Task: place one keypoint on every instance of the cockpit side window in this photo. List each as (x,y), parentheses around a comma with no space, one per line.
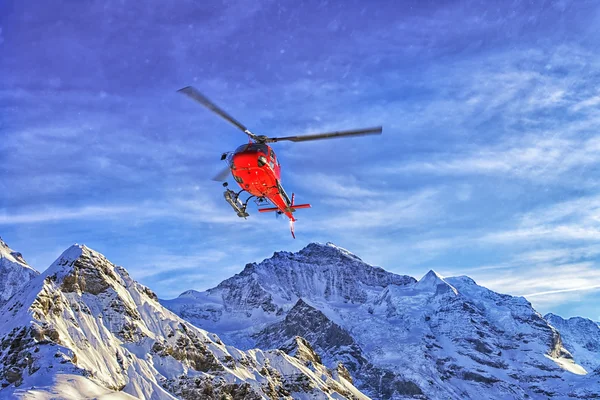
(274,160)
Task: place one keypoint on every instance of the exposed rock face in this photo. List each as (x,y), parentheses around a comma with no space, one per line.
(14,272)
(395,336)
(581,337)
(300,348)
(325,336)
(337,345)
(86,318)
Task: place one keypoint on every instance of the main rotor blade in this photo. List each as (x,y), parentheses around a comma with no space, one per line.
(222,175)
(194,94)
(356,132)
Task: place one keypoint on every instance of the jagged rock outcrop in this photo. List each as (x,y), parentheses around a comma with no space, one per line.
(86,321)
(309,326)
(397,337)
(324,335)
(581,337)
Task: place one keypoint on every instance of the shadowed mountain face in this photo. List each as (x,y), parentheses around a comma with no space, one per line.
(14,272)
(85,329)
(398,337)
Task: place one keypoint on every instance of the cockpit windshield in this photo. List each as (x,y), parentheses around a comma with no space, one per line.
(253,148)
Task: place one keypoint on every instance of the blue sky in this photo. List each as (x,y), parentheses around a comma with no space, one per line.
(488,165)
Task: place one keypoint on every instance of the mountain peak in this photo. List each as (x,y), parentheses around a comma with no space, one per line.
(432,274)
(74,253)
(12,256)
(434,280)
(81,269)
(431,278)
(551,316)
(3,246)
(327,249)
(14,272)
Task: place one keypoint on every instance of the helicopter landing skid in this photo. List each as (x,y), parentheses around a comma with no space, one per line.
(236,203)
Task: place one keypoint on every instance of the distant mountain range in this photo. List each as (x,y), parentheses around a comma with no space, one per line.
(438,338)
(317,324)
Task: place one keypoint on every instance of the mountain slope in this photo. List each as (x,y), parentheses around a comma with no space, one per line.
(581,336)
(263,293)
(14,272)
(85,323)
(436,337)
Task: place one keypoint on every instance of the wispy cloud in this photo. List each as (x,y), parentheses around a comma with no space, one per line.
(403,211)
(533,158)
(195,208)
(543,280)
(589,102)
(62,214)
(571,220)
(336,186)
(575,289)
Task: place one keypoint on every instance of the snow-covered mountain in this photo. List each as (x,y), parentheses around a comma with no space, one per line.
(14,272)
(581,336)
(439,338)
(85,329)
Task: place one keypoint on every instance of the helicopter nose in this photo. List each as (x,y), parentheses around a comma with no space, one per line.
(245,160)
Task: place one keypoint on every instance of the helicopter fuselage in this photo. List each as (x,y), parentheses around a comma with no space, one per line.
(256,170)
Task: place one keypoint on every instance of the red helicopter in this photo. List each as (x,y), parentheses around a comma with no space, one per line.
(256,169)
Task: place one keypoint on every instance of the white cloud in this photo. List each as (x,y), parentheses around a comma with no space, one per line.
(558,255)
(192,208)
(401,211)
(164,262)
(336,186)
(61,214)
(590,102)
(575,289)
(533,158)
(542,279)
(570,221)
